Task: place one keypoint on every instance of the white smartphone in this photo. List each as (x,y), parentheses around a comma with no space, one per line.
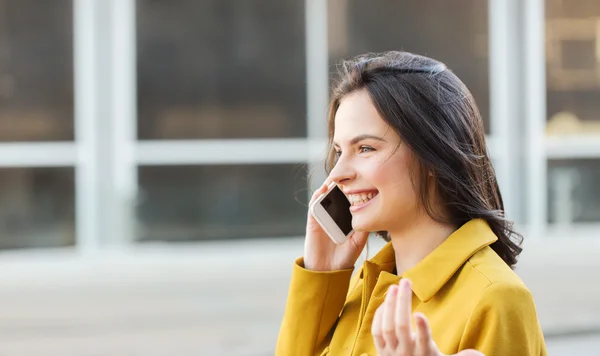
(332,212)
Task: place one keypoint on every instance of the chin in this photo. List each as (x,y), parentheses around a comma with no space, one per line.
(363,226)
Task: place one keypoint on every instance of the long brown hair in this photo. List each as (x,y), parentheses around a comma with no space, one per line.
(434,113)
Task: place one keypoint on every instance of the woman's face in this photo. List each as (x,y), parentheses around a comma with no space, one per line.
(373,167)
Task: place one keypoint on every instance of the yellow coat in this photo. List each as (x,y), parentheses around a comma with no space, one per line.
(471,298)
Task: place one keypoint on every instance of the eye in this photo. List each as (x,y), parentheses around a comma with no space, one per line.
(365,149)
(337,153)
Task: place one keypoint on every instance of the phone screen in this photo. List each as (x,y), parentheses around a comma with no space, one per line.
(338,207)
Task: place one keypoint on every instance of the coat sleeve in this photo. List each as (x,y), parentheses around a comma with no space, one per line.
(315,301)
(504,323)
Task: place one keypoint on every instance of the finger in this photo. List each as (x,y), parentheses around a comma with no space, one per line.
(424,342)
(328,181)
(470,353)
(376,330)
(388,323)
(402,318)
(322,189)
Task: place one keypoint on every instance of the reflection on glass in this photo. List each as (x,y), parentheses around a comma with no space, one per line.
(36,70)
(455,32)
(37,207)
(573,191)
(573,66)
(180,203)
(221,69)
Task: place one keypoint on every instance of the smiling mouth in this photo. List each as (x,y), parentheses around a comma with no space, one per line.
(360,199)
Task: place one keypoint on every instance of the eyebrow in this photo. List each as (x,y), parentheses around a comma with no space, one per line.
(359,138)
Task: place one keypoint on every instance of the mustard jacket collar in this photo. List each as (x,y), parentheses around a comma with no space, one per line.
(432,273)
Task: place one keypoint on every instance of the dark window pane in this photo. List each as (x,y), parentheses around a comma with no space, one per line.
(573,191)
(222,202)
(573,67)
(454,32)
(586,54)
(36,70)
(37,207)
(221,69)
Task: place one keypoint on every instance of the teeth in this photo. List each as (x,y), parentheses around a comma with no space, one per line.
(357,199)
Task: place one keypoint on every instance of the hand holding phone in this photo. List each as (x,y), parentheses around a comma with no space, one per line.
(330,243)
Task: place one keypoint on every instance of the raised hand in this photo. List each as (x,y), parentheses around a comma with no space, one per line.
(392,329)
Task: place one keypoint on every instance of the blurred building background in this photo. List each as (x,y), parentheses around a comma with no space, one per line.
(156,155)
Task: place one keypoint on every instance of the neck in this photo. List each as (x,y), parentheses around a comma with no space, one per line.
(417,239)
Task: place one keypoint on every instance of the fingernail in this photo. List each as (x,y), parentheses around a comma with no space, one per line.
(419,319)
(405,284)
(418,322)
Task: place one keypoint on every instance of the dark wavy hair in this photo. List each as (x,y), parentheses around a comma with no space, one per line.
(434,113)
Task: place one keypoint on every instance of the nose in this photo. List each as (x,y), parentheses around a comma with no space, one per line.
(342,172)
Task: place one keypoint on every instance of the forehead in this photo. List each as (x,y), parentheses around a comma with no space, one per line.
(357,115)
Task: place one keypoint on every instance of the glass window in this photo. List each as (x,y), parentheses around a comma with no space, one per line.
(573,89)
(222,202)
(573,191)
(37,207)
(573,67)
(221,69)
(455,32)
(36,70)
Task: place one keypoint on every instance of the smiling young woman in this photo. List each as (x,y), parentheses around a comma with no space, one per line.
(408,150)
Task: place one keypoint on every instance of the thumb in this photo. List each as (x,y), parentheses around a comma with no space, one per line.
(359,239)
(469,353)
(360,236)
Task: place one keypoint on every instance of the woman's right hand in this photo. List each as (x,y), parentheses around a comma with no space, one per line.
(322,254)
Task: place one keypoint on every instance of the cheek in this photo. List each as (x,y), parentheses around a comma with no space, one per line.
(396,186)
(388,175)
